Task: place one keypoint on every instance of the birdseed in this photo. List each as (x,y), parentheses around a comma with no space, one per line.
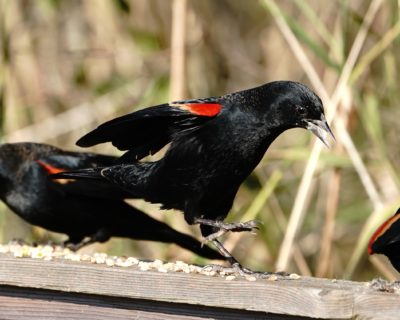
(52,252)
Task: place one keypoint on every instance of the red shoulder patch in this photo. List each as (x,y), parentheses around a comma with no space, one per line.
(382,229)
(50,169)
(200,109)
(53,170)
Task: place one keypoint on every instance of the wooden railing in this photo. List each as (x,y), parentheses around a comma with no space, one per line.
(102,288)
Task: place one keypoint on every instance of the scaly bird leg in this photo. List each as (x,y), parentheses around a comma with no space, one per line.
(226,227)
(236,266)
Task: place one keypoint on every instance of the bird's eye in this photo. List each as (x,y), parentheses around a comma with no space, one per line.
(301,110)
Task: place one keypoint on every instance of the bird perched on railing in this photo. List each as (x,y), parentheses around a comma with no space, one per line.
(215,143)
(386,240)
(87,212)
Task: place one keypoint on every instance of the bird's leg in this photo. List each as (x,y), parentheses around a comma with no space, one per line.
(73,246)
(236,266)
(101,235)
(226,227)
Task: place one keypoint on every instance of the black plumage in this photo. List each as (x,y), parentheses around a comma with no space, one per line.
(86,211)
(215,143)
(386,240)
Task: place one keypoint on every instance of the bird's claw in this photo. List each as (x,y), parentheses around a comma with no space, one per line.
(226,227)
(242,226)
(72,246)
(77,246)
(237,269)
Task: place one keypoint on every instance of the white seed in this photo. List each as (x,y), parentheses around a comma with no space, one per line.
(250,278)
(273,277)
(110,262)
(144,267)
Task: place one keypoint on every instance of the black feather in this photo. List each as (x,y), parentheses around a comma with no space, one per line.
(80,208)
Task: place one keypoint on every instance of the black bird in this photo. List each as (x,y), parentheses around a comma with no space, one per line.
(386,240)
(215,143)
(87,212)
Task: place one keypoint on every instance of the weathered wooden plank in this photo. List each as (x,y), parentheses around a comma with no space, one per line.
(308,297)
(27,303)
(176,287)
(380,305)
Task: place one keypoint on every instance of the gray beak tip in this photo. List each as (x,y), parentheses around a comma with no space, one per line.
(321,129)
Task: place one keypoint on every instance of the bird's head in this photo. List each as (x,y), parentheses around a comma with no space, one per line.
(15,162)
(294,105)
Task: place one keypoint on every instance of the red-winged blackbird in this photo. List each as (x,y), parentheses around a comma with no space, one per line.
(78,208)
(386,240)
(215,143)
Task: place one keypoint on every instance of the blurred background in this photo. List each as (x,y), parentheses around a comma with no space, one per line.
(67,66)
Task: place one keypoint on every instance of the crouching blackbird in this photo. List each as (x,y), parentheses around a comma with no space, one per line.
(87,212)
(215,143)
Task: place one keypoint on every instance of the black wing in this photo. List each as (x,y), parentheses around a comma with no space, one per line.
(146,131)
(71,161)
(387,234)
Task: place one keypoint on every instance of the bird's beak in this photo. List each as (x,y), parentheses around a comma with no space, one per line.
(321,129)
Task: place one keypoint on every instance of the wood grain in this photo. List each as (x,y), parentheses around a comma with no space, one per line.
(23,303)
(307,297)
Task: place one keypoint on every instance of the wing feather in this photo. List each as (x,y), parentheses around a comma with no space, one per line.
(146,131)
(69,161)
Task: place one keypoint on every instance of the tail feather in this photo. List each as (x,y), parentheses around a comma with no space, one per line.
(202,250)
(191,244)
(129,222)
(90,173)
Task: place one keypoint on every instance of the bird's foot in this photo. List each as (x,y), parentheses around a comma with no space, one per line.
(76,246)
(237,269)
(226,227)
(72,246)
(234,269)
